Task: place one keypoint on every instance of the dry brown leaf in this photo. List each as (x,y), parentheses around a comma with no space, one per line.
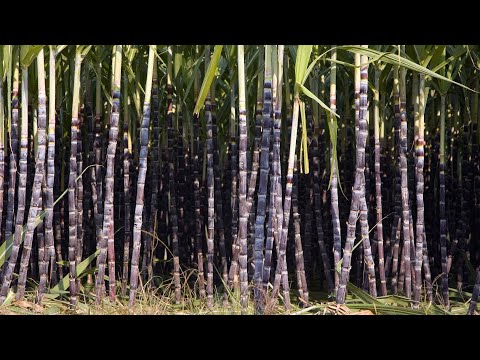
(23,304)
(362,312)
(7,312)
(28,305)
(339,309)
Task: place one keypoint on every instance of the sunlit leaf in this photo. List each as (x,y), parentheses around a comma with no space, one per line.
(207,81)
(28,53)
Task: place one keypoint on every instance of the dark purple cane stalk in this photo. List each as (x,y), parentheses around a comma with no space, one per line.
(299,261)
(378,186)
(211,202)
(281,270)
(13,152)
(219,215)
(22,184)
(244,202)
(3,131)
(35,203)
(173,218)
(404,183)
(147,261)
(72,206)
(50,180)
(127,160)
(420,156)
(197,203)
(97,171)
(272,228)
(142,172)
(107,242)
(318,214)
(337,235)
(358,192)
(443,220)
(260,264)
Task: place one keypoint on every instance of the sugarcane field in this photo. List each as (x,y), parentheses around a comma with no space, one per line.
(239,179)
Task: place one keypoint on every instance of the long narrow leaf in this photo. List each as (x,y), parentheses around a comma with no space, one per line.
(365,297)
(313,97)
(64,284)
(6,247)
(399,60)
(30,54)
(301,64)
(306,167)
(207,81)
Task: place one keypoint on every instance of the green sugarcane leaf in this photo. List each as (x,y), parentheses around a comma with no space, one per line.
(6,247)
(452,72)
(301,64)
(301,157)
(159,58)
(313,97)
(84,49)
(431,53)
(308,309)
(394,300)
(90,271)
(293,51)
(312,64)
(338,266)
(333,131)
(177,63)
(106,94)
(419,52)
(2,61)
(6,59)
(365,297)
(196,66)
(207,81)
(458,51)
(434,309)
(130,52)
(64,283)
(127,65)
(459,293)
(253,60)
(346,63)
(28,53)
(396,59)
(59,49)
(10,297)
(306,167)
